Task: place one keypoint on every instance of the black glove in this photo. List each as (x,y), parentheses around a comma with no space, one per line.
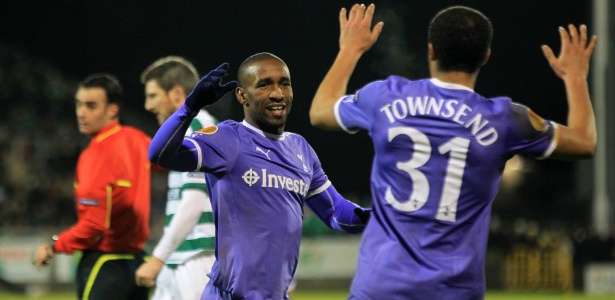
(209,90)
(363,214)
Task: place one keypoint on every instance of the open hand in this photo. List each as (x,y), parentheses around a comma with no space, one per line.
(356,29)
(575,53)
(209,90)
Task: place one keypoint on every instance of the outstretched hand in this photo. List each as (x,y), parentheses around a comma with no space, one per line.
(209,89)
(575,53)
(356,29)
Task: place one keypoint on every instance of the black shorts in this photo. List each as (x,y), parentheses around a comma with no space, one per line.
(104,276)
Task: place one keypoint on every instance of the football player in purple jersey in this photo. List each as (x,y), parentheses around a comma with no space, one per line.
(259,178)
(440,149)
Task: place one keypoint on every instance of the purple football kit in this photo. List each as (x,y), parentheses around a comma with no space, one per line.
(258,184)
(440,150)
(276,172)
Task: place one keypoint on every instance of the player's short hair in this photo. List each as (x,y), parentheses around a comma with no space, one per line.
(170,71)
(109,83)
(461,37)
(258,57)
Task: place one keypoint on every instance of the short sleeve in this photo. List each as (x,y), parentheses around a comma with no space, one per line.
(217,148)
(355,112)
(319,181)
(534,136)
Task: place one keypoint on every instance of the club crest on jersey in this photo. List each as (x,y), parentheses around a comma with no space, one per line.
(208,130)
(267,179)
(301,159)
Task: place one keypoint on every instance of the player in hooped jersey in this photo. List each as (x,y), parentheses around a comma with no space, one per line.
(440,149)
(259,178)
(184,255)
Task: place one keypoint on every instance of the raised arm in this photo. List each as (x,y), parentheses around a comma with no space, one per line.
(169,149)
(338,213)
(356,37)
(578,139)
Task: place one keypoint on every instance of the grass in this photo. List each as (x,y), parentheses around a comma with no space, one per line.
(337,295)
(544,296)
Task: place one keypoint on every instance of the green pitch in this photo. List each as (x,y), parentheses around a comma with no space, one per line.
(340,295)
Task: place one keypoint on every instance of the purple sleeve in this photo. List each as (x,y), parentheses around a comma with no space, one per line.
(335,211)
(319,178)
(534,136)
(354,112)
(168,148)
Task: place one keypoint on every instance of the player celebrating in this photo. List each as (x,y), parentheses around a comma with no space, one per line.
(259,179)
(440,149)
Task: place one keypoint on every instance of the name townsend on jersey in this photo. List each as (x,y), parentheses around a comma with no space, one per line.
(450,109)
(275,181)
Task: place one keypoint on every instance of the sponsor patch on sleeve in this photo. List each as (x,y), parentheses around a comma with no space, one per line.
(537,122)
(88,202)
(196,174)
(352,98)
(208,130)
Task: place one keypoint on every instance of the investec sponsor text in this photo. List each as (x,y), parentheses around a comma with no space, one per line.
(271,180)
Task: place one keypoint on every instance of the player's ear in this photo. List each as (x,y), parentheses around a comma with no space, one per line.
(487,55)
(177,95)
(114,110)
(241,96)
(431,52)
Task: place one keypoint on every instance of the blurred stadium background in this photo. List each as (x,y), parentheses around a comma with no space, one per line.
(552,231)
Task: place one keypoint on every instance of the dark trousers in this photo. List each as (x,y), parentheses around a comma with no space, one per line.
(104,276)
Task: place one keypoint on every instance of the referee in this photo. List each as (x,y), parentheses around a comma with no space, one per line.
(112,198)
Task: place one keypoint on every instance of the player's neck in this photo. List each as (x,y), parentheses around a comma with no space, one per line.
(456,77)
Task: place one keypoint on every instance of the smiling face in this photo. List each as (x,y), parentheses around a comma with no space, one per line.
(266,95)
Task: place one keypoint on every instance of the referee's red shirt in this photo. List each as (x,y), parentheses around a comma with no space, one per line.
(112,194)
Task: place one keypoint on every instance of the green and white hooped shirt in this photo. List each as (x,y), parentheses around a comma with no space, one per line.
(202,236)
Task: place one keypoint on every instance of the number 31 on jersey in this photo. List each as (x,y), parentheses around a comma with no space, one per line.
(457,148)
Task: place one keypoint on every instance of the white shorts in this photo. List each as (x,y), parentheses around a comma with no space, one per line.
(186,281)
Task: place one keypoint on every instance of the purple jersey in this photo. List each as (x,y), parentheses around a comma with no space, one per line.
(440,150)
(257,183)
